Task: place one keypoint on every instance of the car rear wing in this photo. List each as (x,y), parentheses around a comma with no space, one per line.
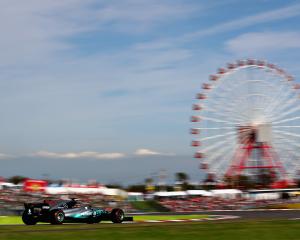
(36,205)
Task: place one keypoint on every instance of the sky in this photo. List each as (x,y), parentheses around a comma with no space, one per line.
(102,89)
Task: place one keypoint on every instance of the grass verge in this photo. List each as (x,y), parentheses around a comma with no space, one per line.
(242,230)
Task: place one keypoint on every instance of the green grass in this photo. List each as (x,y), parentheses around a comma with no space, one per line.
(242,230)
(18,220)
(10,220)
(149,206)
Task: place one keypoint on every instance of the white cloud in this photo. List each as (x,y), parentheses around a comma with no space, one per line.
(74,155)
(264,17)
(262,42)
(252,20)
(95,155)
(145,152)
(4,156)
(148,152)
(40,31)
(33,31)
(37,32)
(140,15)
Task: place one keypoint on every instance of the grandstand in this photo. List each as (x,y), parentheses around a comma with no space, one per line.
(12,197)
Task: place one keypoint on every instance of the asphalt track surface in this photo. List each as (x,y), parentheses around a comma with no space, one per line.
(248,214)
(258,215)
(263,214)
(284,214)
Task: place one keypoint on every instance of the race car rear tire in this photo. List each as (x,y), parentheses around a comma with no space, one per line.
(117,215)
(57,217)
(28,219)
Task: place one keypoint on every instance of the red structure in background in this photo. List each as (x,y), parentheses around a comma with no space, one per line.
(31,185)
(255,155)
(268,160)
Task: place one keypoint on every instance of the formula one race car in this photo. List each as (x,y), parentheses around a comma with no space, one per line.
(72,211)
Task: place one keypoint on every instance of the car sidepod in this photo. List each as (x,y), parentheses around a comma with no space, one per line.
(84,214)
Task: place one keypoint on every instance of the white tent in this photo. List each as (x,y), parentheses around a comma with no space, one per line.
(170,194)
(226,193)
(199,193)
(135,196)
(10,185)
(86,190)
(114,192)
(264,196)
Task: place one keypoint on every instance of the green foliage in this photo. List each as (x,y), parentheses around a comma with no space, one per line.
(114,185)
(181,177)
(16,179)
(148,181)
(137,188)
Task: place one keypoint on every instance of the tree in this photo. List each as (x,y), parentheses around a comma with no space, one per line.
(148,181)
(266,177)
(239,181)
(181,177)
(136,188)
(16,179)
(182,180)
(210,182)
(149,185)
(115,185)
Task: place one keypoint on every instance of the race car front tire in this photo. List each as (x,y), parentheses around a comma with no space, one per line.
(57,217)
(117,215)
(28,218)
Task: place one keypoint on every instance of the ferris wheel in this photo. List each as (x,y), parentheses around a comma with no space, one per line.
(247,120)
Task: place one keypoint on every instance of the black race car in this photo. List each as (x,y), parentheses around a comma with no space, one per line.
(72,211)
